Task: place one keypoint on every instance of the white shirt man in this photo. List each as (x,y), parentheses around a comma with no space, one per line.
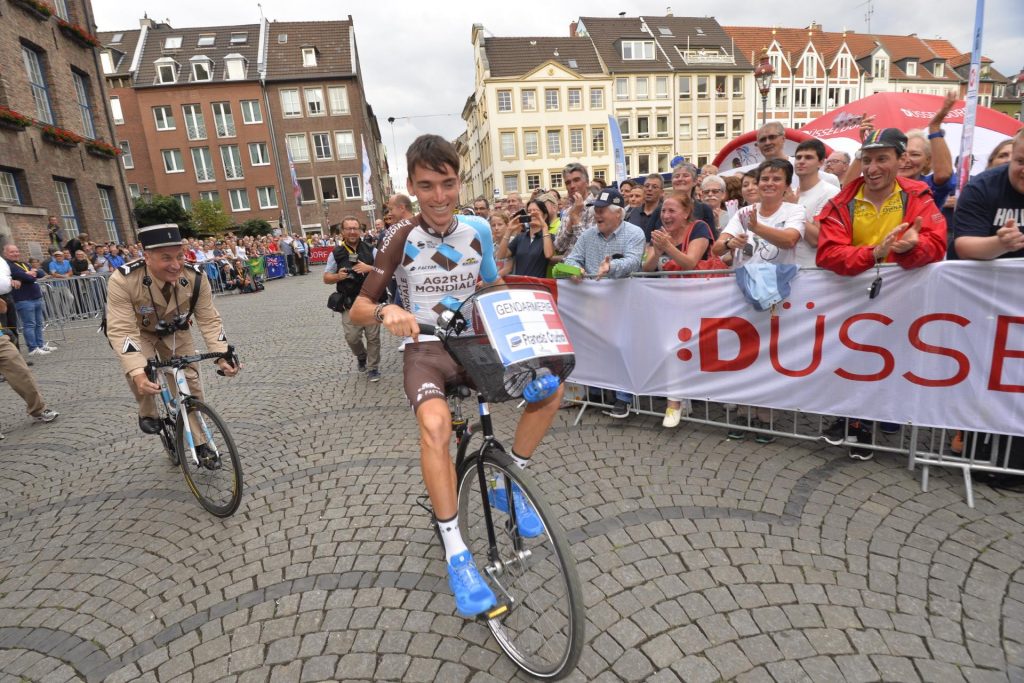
(812,194)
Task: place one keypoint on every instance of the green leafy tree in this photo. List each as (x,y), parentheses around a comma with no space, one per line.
(208,218)
(162,209)
(254,228)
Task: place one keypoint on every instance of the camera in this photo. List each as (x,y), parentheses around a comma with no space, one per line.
(524,219)
(176,324)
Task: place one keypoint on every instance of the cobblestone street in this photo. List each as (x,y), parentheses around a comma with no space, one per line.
(702,559)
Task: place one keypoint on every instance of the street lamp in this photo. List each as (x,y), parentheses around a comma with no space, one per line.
(327,225)
(147,196)
(763,75)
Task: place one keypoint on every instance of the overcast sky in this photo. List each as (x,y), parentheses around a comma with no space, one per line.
(417,58)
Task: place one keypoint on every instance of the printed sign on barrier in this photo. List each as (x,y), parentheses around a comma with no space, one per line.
(523,324)
(319,254)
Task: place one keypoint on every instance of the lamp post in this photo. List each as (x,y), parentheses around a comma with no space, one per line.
(326,226)
(763,75)
(146,195)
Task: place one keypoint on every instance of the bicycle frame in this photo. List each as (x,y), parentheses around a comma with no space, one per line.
(175,406)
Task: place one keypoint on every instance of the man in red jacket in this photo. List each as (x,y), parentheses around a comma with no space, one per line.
(881,217)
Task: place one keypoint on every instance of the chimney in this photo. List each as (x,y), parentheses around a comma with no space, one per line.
(145,21)
(815,26)
(668,11)
(572,29)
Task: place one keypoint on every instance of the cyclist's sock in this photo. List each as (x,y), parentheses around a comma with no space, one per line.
(451,537)
(519,461)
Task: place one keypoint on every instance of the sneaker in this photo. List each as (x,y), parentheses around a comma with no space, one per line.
(39,352)
(530,525)
(362,363)
(619,411)
(758,436)
(842,431)
(373,375)
(472,594)
(861,453)
(736,434)
(889,427)
(46,416)
(672,417)
(49,347)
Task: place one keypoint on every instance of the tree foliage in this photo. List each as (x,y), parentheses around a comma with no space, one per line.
(208,218)
(162,209)
(254,228)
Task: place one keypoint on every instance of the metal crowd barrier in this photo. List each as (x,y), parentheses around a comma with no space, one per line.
(73,302)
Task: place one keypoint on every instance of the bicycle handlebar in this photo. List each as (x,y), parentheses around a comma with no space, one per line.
(181,361)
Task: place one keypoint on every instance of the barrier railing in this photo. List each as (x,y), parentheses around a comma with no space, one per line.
(73,302)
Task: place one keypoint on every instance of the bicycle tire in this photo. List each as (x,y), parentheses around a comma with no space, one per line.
(543,631)
(204,478)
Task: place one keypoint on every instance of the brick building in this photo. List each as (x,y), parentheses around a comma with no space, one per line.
(57,164)
(213,113)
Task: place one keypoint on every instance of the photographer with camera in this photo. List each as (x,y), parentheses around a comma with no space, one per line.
(150,306)
(529,249)
(346,268)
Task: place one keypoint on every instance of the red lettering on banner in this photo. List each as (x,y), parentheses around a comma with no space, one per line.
(888,362)
(750,342)
(1001,353)
(914,334)
(819,338)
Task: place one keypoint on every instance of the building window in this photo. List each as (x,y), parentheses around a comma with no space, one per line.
(210,196)
(126,154)
(61,6)
(297,147)
(528,100)
(737,126)
(239,38)
(622,88)
(508,145)
(308,56)
(322,146)
(800,97)
(601,174)
(641,88)
(9,188)
(40,90)
(164,118)
(624,127)
(234,67)
(702,127)
(307,190)
(328,188)
(345,141)
(531,143)
(597,140)
(643,127)
(702,160)
(267,197)
(166,70)
(557,180)
(532,181)
(258,154)
(781,98)
(115,110)
(510,182)
(637,49)
(816,98)
(206,40)
(661,87)
(353,186)
(880,68)
(720,127)
(239,199)
(68,218)
(504,101)
(251,112)
(195,122)
(232,160)
(575,141)
(338,96)
(597,98)
(574,96)
(314,101)
(290,106)
(185,200)
(685,130)
(643,164)
(203,162)
(721,85)
(172,161)
(939,70)
(554,143)
(223,120)
(134,191)
(684,87)
(737,86)
(117,38)
(202,68)
(172,43)
(844,66)
(662,126)
(550,99)
(702,87)
(663,166)
(84,108)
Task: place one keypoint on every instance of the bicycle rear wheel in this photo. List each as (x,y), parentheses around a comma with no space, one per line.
(215,476)
(543,630)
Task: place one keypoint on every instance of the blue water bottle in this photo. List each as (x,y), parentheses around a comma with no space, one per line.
(543,385)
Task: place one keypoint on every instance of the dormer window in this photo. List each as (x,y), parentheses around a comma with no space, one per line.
(234,67)
(637,49)
(202,68)
(239,38)
(911,68)
(940,70)
(172,43)
(166,70)
(309,56)
(206,40)
(880,67)
(282,38)
(117,38)
(107,61)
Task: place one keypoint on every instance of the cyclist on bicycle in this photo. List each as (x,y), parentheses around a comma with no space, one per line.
(433,256)
(150,305)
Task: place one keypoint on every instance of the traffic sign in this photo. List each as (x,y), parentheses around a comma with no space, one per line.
(367,207)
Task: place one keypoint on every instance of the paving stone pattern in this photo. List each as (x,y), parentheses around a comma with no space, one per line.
(702,559)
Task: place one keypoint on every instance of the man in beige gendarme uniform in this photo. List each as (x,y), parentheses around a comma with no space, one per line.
(159,289)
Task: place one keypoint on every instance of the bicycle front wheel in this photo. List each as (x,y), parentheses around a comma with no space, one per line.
(209,459)
(542,631)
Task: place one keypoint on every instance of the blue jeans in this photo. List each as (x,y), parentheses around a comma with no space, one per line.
(30,313)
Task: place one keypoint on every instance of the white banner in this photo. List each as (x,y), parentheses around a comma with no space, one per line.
(941,346)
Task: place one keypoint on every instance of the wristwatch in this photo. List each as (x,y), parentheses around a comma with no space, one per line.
(378,313)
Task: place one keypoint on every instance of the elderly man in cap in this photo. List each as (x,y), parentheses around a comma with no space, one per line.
(150,305)
(611,248)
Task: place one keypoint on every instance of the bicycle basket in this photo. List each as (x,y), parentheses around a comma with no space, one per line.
(514,335)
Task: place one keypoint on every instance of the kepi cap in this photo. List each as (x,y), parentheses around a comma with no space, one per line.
(163,235)
(608,197)
(886,137)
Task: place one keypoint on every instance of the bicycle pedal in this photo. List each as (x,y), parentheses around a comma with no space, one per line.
(495,612)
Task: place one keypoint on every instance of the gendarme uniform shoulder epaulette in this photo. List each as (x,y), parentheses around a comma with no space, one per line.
(132,266)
